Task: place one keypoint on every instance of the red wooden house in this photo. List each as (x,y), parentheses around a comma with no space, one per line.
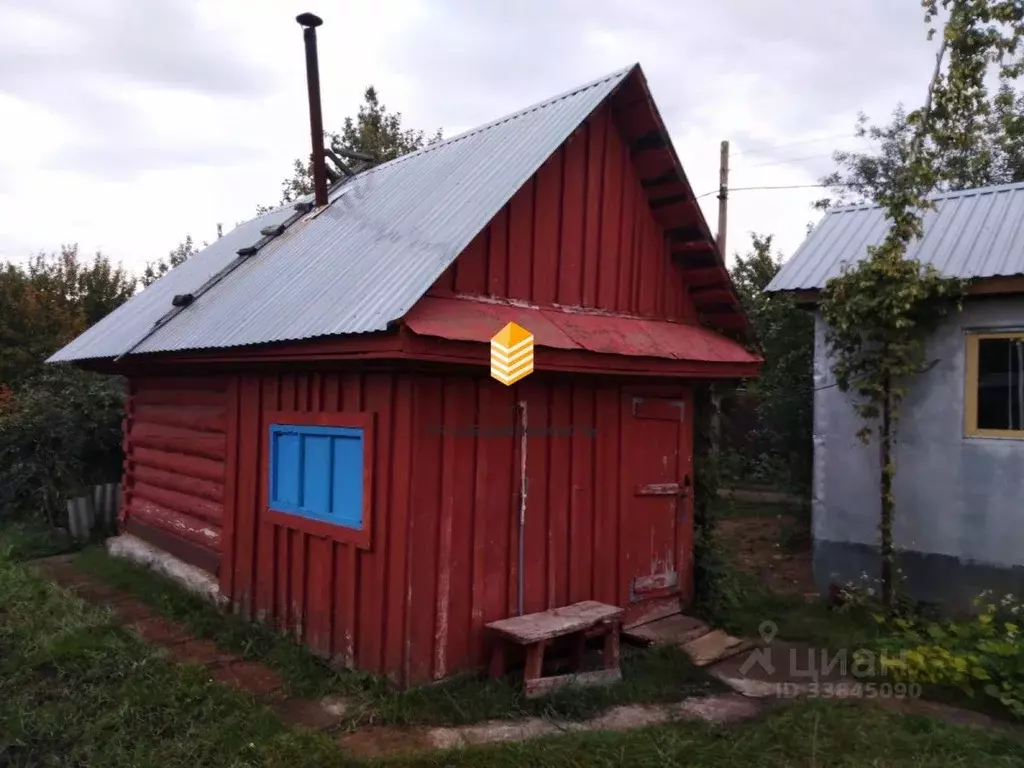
(311,421)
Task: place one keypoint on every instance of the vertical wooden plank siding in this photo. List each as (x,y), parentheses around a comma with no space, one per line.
(579,233)
(444,555)
(425,525)
(443,560)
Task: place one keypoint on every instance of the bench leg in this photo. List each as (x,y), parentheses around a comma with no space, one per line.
(580,650)
(611,646)
(534,661)
(498,658)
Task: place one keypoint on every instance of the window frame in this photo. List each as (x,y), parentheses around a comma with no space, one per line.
(359,537)
(971,385)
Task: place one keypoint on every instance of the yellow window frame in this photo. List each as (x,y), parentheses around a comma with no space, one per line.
(971,387)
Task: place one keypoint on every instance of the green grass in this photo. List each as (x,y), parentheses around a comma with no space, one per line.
(22,541)
(77,690)
(817,734)
(304,674)
(653,675)
(649,675)
(728,509)
(746,605)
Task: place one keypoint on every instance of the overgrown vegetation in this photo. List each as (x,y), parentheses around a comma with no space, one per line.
(980,655)
(59,434)
(60,428)
(881,311)
(767,422)
(78,690)
(649,675)
(24,541)
(712,584)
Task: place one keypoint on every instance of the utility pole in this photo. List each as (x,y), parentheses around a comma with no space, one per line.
(723,196)
(715,438)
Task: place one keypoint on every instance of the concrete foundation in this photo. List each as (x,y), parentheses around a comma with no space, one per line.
(931,577)
(196,581)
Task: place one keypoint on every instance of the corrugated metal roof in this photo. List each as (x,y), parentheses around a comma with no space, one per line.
(971,233)
(363,261)
(474,320)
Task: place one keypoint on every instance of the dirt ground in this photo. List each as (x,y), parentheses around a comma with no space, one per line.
(774,549)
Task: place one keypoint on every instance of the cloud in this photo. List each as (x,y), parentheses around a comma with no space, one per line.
(91,67)
(158,42)
(161,117)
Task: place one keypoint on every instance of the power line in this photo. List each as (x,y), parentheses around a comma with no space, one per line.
(781,186)
(773,147)
(785,161)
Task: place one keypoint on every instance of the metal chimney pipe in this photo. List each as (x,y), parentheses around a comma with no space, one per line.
(309,23)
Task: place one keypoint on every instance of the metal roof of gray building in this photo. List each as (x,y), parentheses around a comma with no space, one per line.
(971,233)
(361,262)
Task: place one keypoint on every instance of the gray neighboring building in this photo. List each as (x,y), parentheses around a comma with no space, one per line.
(960,446)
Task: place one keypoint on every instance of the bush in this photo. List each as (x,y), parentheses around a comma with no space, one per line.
(716,590)
(983,653)
(60,432)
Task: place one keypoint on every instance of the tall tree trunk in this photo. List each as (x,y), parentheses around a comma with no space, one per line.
(887,473)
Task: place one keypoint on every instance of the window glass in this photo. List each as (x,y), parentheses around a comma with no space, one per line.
(1000,384)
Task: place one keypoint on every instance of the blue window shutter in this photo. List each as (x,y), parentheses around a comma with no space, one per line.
(347,472)
(287,461)
(317,473)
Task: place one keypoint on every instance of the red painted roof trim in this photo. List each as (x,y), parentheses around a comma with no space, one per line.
(474,320)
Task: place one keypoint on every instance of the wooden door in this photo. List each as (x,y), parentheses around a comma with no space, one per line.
(656,541)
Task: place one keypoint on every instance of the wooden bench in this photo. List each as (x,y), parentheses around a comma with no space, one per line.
(535,630)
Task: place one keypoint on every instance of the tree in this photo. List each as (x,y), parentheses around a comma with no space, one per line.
(783,392)
(994,154)
(185,250)
(881,311)
(48,301)
(374,132)
(59,427)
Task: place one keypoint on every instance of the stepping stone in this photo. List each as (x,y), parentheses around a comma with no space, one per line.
(202,652)
(721,710)
(714,646)
(321,715)
(782,670)
(158,631)
(249,676)
(672,630)
(99,593)
(131,610)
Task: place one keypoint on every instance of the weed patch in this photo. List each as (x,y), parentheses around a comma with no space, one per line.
(978,655)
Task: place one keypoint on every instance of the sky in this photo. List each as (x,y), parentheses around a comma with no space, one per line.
(128,124)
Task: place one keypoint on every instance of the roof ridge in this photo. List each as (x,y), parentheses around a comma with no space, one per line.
(336,188)
(619,73)
(510,150)
(948,194)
